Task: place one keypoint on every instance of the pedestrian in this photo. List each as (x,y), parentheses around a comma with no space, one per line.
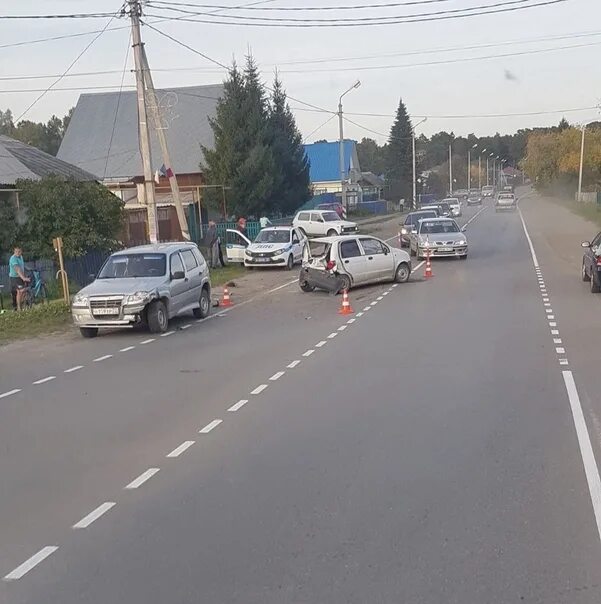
(264,222)
(18,279)
(241,225)
(220,251)
(211,242)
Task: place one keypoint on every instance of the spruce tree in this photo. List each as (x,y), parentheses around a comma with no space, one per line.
(399,173)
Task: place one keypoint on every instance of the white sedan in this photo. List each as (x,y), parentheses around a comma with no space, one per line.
(276,246)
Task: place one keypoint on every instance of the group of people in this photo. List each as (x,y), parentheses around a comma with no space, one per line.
(213,243)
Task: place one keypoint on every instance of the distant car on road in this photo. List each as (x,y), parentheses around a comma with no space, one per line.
(454,205)
(342,262)
(474,198)
(276,246)
(460,194)
(411,221)
(441,236)
(319,223)
(488,191)
(148,284)
(505,202)
(591,263)
(508,189)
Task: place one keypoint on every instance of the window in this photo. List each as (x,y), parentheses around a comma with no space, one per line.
(596,241)
(121,266)
(372,246)
(295,238)
(303,216)
(349,249)
(189,260)
(176,264)
(273,236)
(330,216)
(316,217)
(233,238)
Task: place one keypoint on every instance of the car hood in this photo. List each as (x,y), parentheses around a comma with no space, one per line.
(267,247)
(116,287)
(344,223)
(433,238)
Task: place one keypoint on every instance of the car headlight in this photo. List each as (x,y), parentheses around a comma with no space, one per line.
(461,242)
(284,250)
(248,252)
(403,231)
(137,298)
(80,300)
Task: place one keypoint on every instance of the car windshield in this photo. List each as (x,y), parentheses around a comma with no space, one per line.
(330,216)
(488,188)
(273,236)
(415,218)
(432,227)
(474,191)
(506,196)
(444,207)
(124,266)
(451,201)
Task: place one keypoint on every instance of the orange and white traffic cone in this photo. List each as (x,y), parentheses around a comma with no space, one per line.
(225,298)
(345,309)
(428,272)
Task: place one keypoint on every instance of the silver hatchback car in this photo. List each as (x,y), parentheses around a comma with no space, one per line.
(148,284)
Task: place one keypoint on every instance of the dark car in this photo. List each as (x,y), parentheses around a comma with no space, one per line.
(591,263)
(411,222)
(474,198)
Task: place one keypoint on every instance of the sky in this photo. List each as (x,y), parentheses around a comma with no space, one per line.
(426,64)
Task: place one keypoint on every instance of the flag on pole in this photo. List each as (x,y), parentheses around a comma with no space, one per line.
(164,171)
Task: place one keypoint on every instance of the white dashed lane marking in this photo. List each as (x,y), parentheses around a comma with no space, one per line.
(555,332)
(179,450)
(557,341)
(360,314)
(238,405)
(563,361)
(72,369)
(92,516)
(293,364)
(10,392)
(140,480)
(259,389)
(127,349)
(211,426)
(342,327)
(24,568)
(167,333)
(560,350)
(308,353)
(149,340)
(351,321)
(276,376)
(103,358)
(332,335)
(380,298)
(320,344)
(366,308)
(552,323)
(44,380)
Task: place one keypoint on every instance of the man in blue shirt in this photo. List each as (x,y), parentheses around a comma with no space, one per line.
(17,277)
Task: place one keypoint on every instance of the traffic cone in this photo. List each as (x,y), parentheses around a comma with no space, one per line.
(225,298)
(428,272)
(345,309)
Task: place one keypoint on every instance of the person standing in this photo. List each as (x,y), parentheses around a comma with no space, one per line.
(211,239)
(264,222)
(16,273)
(242,226)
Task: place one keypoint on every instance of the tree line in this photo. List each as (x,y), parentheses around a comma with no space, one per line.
(258,153)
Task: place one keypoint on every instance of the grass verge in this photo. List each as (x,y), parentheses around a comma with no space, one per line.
(220,276)
(39,320)
(589,211)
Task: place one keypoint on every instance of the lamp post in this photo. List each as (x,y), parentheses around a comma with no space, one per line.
(450,170)
(469,166)
(487,158)
(341,145)
(414,161)
(480,169)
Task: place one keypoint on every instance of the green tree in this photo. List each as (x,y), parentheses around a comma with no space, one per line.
(85,214)
(6,122)
(399,173)
(292,166)
(372,157)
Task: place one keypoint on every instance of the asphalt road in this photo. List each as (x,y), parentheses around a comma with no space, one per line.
(428,452)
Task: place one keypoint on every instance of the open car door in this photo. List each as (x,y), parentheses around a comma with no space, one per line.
(235,245)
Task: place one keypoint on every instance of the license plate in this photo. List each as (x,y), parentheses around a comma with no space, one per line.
(445,249)
(105,311)
(263,260)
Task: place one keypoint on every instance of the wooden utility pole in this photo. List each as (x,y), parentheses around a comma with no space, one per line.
(135,10)
(57,243)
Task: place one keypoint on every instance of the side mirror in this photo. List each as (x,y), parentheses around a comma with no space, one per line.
(464,228)
(178,275)
(386,251)
(586,244)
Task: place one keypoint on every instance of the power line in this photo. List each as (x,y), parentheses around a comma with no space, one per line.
(43,94)
(66,16)
(319,127)
(307,8)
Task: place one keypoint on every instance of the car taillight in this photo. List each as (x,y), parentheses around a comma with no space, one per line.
(598,260)
(330,265)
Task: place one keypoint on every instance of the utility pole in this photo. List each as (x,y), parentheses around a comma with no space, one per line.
(450,170)
(181,216)
(480,171)
(581,164)
(135,10)
(341,159)
(414,206)
(469,174)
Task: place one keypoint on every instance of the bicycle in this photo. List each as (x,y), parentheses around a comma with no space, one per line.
(36,290)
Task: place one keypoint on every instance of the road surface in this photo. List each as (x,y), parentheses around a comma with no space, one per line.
(437,446)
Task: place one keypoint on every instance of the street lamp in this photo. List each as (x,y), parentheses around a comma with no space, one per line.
(341,144)
(495,176)
(414,167)
(480,168)
(487,158)
(469,166)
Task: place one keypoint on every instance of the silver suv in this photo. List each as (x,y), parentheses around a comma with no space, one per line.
(147,284)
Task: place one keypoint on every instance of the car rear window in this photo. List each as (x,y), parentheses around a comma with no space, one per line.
(303,216)
(318,248)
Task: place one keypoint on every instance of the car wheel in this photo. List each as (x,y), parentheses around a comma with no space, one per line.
(88,332)
(290,263)
(345,283)
(403,272)
(157,318)
(202,312)
(584,273)
(332,233)
(595,286)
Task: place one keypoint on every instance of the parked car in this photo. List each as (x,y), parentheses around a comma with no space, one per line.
(454,205)
(488,191)
(505,202)
(147,284)
(411,221)
(474,198)
(441,237)
(508,189)
(442,208)
(460,194)
(591,263)
(335,207)
(342,262)
(276,246)
(319,223)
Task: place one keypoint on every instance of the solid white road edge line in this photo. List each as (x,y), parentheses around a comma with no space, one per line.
(586,449)
(24,568)
(238,405)
(72,369)
(293,364)
(277,376)
(92,516)
(211,426)
(10,393)
(140,480)
(44,380)
(532,252)
(179,450)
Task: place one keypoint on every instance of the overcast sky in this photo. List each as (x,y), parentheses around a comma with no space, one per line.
(538,82)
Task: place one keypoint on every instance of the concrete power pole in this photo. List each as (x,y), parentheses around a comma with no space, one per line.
(135,11)
(450,170)
(181,216)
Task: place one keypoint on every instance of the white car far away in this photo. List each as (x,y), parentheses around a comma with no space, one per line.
(323,223)
(276,246)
